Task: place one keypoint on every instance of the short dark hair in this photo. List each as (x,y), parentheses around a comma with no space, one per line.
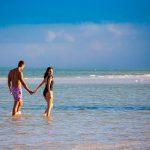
(20,63)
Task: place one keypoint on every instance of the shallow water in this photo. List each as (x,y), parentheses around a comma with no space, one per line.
(86,115)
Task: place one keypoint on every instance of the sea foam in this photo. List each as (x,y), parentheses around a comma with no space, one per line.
(93,79)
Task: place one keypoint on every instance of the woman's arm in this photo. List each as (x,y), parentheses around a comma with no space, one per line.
(40,85)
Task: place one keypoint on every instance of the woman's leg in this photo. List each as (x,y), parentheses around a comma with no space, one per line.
(49,104)
(46,107)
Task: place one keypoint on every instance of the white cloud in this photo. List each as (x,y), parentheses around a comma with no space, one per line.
(77,45)
(51,36)
(68,37)
(114,29)
(59,36)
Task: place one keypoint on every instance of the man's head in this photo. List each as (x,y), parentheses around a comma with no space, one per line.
(21,65)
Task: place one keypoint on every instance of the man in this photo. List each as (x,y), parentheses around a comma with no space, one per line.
(15,83)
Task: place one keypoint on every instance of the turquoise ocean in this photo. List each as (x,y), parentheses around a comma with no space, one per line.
(93,109)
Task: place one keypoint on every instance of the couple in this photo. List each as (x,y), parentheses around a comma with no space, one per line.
(16,81)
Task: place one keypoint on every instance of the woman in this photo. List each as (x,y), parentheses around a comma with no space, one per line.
(48,91)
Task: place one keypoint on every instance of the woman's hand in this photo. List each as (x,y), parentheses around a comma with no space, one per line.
(35,90)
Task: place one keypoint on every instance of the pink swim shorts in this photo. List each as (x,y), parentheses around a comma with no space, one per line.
(17,93)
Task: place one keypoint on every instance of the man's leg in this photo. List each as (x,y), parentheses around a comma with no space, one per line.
(14,111)
(20,105)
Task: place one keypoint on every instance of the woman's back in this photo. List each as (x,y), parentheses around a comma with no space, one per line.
(50,84)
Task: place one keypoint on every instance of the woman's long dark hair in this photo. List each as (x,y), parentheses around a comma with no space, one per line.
(46,72)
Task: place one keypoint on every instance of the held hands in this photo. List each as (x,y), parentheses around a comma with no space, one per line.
(35,90)
(31,92)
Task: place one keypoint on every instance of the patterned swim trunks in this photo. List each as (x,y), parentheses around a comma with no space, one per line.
(17,93)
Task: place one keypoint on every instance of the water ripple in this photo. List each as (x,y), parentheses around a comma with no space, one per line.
(97,107)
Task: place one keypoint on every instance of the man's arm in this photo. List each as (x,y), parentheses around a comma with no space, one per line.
(23,83)
(9,81)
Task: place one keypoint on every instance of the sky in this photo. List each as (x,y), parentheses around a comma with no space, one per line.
(108,34)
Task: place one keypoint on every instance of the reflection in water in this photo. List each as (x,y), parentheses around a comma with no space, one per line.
(17,118)
(48,120)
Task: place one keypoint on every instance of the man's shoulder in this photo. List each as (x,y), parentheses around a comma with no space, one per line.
(11,71)
(15,70)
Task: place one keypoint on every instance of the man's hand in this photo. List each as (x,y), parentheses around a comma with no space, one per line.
(31,92)
(10,91)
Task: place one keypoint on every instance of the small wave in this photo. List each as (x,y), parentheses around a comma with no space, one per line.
(92,75)
(33,78)
(92,79)
(147,75)
(3,78)
(97,107)
(103,107)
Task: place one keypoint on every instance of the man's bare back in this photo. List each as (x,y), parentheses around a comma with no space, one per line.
(15,76)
